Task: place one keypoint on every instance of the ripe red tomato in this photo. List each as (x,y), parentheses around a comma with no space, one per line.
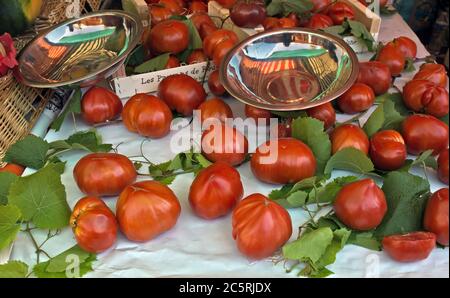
(211,41)
(292,20)
(13,169)
(361,205)
(324,113)
(407,46)
(358,98)
(434,73)
(382,3)
(147,115)
(320,21)
(424,96)
(224,143)
(320,5)
(215,191)
(257,114)
(227,3)
(424,132)
(222,48)
(282,161)
(158,14)
(197,6)
(174,6)
(339,12)
(214,84)
(376,75)
(215,108)
(181,93)
(393,57)
(410,247)
(200,18)
(93,224)
(206,30)
(260,226)
(248,14)
(104,174)
(197,56)
(170,36)
(349,136)
(100,105)
(436,216)
(147,209)
(388,150)
(443,166)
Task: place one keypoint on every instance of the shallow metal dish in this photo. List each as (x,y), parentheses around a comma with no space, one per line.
(289,69)
(79,52)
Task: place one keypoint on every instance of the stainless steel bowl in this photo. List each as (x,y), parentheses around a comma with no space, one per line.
(79,52)
(289,69)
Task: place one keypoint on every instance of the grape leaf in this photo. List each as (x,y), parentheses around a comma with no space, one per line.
(310,246)
(41,198)
(445,119)
(6,180)
(154,64)
(9,226)
(85,266)
(73,106)
(285,7)
(350,159)
(84,140)
(31,152)
(328,192)
(365,239)
(409,67)
(360,31)
(59,264)
(386,116)
(13,269)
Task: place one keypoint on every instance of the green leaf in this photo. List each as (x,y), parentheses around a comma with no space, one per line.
(328,192)
(426,158)
(154,64)
(311,132)
(285,7)
(31,152)
(445,119)
(310,246)
(73,106)
(340,238)
(360,31)
(336,30)
(136,57)
(165,180)
(350,159)
(406,197)
(365,239)
(409,67)
(41,198)
(59,264)
(195,41)
(89,141)
(281,193)
(9,224)
(202,160)
(386,116)
(14,269)
(85,266)
(6,180)
(297,199)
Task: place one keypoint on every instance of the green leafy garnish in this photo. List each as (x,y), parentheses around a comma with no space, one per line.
(350,159)
(356,29)
(31,152)
(154,64)
(6,180)
(285,7)
(14,269)
(9,224)
(73,106)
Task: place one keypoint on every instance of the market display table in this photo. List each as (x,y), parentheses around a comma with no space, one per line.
(200,248)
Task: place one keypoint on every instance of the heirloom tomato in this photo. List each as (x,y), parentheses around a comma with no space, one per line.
(349,136)
(257,114)
(358,98)
(147,209)
(260,226)
(424,96)
(339,12)
(200,18)
(393,57)
(206,29)
(100,105)
(443,166)
(198,6)
(214,84)
(175,7)
(158,14)
(170,36)
(320,21)
(410,247)
(227,3)
(320,5)
(172,62)
(324,113)
(211,42)
(434,73)
(277,23)
(13,169)
(248,14)
(436,216)
(407,46)
(197,56)
(376,75)
(388,150)
(222,48)
(215,108)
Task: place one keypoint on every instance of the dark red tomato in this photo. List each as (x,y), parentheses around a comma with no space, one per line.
(257,114)
(443,166)
(388,150)
(424,96)
(339,12)
(320,21)
(94,225)
(104,174)
(382,3)
(182,93)
(147,209)
(282,161)
(320,5)
(248,14)
(215,108)
(358,98)
(361,205)
(436,216)
(174,6)
(206,29)
(170,36)
(211,41)
(434,73)
(224,143)
(159,13)
(424,132)
(197,6)
(172,62)
(13,169)
(100,105)
(226,3)
(410,247)
(215,191)
(222,48)
(324,113)
(147,115)
(407,46)
(214,84)
(349,136)
(197,56)
(260,226)
(393,57)
(375,74)
(201,18)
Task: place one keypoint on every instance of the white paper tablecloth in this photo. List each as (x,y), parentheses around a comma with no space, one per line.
(200,248)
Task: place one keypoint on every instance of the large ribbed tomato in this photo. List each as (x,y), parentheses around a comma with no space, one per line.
(100,105)
(388,150)
(424,96)
(146,209)
(407,46)
(376,75)
(410,247)
(434,73)
(349,136)
(282,161)
(93,224)
(436,216)
(211,42)
(260,226)
(104,174)
(393,57)
(339,12)
(215,191)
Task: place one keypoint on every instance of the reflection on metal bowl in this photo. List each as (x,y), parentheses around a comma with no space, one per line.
(289,69)
(79,52)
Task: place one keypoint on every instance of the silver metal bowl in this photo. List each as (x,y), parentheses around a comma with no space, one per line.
(289,69)
(79,52)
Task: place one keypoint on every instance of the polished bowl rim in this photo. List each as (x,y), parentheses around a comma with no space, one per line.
(280,107)
(132,45)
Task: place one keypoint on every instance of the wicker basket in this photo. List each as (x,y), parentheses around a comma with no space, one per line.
(21,106)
